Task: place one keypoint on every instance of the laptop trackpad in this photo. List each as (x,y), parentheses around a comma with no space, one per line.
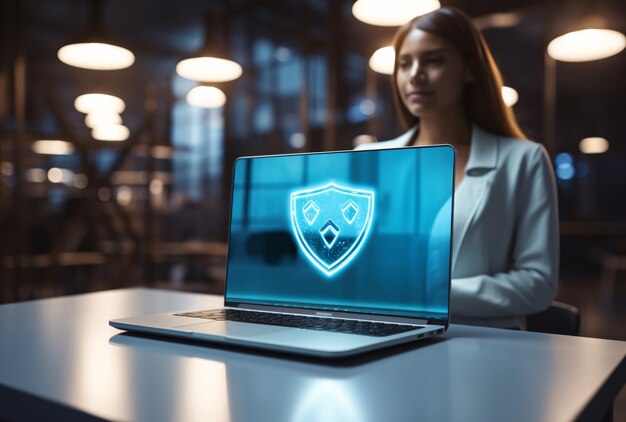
(233,329)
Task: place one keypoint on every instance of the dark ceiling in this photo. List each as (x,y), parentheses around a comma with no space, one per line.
(590,96)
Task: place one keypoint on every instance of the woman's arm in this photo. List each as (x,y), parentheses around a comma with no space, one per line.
(531,284)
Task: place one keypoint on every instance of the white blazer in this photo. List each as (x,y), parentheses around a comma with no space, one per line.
(505,248)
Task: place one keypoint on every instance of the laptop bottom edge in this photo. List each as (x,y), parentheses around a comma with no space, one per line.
(290,340)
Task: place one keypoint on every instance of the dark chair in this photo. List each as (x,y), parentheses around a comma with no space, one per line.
(559,318)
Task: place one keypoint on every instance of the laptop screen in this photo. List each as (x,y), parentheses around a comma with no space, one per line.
(355,231)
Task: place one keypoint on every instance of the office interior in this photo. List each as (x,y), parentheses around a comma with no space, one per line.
(137,193)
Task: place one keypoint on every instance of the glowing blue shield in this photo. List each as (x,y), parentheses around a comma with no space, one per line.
(331,223)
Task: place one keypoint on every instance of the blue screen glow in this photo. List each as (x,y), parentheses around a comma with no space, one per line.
(359,231)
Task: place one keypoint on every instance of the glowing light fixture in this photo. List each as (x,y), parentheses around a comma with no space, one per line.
(565,169)
(156,187)
(102,117)
(81,181)
(209,69)
(124,195)
(110,133)
(392,12)
(93,51)
(297,140)
(104,194)
(211,63)
(87,103)
(6,168)
(55,175)
(593,145)
(498,20)
(35,175)
(383,60)
(586,45)
(52,147)
(509,95)
(97,56)
(58,175)
(206,97)
(367,107)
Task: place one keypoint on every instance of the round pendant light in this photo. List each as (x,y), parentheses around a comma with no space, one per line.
(383,60)
(93,50)
(102,117)
(96,55)
(593,145)
(392,12)
(87,103)
(509,95)
(52,147)
(110,133)
(209,69)
(586,45)
(211,63)
(206,97)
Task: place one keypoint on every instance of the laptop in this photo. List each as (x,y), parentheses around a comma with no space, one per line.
(330,254)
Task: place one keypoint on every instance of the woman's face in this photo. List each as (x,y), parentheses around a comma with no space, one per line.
(431,75)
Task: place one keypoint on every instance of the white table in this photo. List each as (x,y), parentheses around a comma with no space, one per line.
(60,360)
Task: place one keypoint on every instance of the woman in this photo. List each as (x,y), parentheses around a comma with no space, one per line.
(505,238)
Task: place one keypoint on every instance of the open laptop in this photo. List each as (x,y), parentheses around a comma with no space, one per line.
(330,254)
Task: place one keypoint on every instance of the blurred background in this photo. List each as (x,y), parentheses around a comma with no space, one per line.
(115,165)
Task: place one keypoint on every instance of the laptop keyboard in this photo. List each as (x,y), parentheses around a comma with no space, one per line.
(366,328)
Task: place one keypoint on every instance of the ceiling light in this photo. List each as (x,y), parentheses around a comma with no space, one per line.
(97,56)
(586,45)
(209,69)
(104,194)
(593,145)
(81,181)
(383,60)
(110,133)
(206,97)
(93,50)
(498,20)
(55,175)
(35,175)
(156,187)
(102,117)
(124,195)
(52,147)
(297,140)
(392,12)
(89,102)
(367,107)
(6,168)
(509,95)
(210,63)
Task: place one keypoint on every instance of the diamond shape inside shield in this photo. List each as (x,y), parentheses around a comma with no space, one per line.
(331,222)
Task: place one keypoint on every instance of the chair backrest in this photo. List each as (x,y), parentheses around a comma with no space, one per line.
(559,318)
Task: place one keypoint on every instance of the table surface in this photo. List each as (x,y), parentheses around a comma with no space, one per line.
(60,355)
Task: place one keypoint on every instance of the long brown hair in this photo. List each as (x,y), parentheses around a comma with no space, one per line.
(483,98)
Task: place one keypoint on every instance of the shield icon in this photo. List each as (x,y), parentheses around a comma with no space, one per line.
(331,223)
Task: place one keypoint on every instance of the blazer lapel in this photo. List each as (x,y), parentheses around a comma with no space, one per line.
(482,160)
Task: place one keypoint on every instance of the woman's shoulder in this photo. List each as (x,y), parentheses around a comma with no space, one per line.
(518,148)
(495,150)
(515,153)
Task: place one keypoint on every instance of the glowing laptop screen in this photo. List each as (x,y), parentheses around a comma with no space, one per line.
(357,231)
